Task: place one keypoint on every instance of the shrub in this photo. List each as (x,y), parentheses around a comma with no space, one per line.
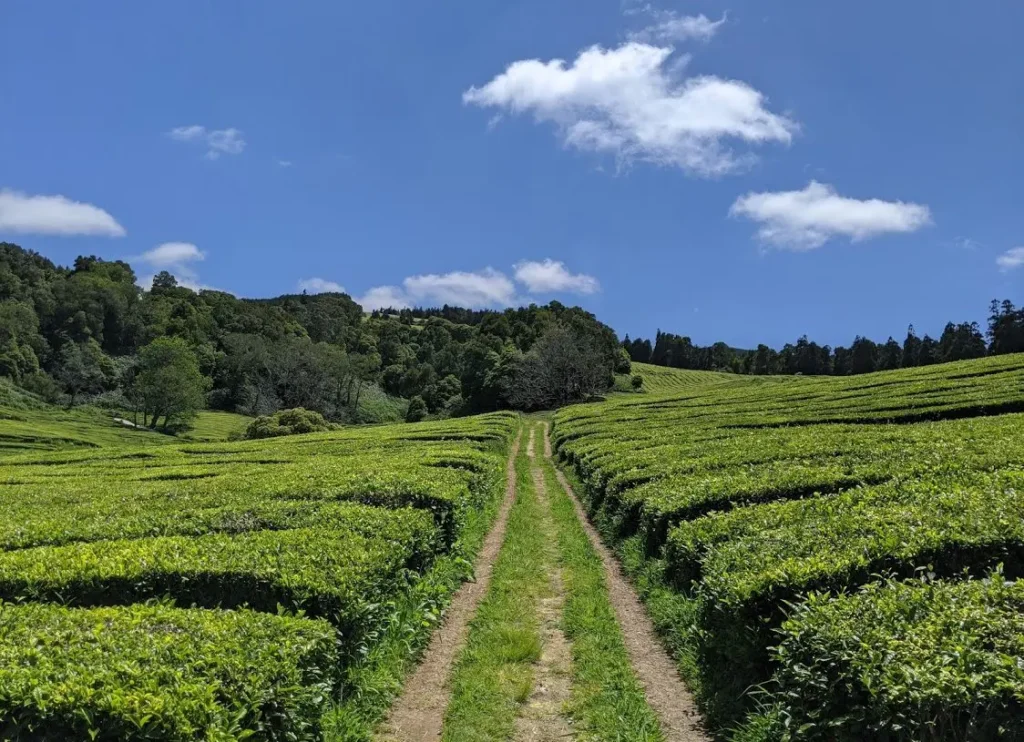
(153,672)
(287,422)
(417,410)
(906,661)
(637,382)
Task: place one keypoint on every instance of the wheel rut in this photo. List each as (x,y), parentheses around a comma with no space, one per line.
(542,717)
(666,693)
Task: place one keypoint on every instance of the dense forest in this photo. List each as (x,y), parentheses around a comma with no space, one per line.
(90,332)
(958,342)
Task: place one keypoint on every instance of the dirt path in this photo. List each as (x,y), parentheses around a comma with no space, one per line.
(666,693)
(418,713)
(541,719)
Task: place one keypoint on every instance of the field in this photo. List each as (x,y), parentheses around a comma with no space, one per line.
(273,589)
(824,558)
(773,527)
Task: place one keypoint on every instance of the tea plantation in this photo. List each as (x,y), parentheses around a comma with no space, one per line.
(265,590)
(829,558)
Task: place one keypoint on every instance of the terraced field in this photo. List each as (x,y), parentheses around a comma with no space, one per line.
(820,552)
(266,590)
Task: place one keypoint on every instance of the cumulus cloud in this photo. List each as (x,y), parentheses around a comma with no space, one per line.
(483,289)
(382,297)
(217,141)
(177,258)
(807,219)
(173,253)
(669,26)
(1011,259)
(55,215)
(320,286)
(634,103)
(552,276)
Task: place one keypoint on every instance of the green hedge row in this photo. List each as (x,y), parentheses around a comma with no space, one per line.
(341,575)
(747,566)
(905,661)
(158,673)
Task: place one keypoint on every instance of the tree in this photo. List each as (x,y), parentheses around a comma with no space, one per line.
(417,410)
(169,383)
(890,355)
(81,369)
(637,382)
(863,356)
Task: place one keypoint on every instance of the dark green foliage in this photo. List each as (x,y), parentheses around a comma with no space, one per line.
(260,356)
(637,382)
(417,410)
(157,673)
(287,422)
(958,342)
(168,382)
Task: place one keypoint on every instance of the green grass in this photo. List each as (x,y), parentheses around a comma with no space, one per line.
(607,700)
(664,380)
(493,675)
(212,425)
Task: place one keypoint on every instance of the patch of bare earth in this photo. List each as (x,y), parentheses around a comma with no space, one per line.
(666,693)
(541,718)
(418,714)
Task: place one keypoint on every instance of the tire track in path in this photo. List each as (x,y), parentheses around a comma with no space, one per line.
(666,693)
(542,719)
(418,713)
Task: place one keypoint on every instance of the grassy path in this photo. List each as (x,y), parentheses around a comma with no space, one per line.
(552,643)
(494,675)
(630,650)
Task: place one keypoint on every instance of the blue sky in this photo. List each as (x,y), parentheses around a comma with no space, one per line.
(735,171)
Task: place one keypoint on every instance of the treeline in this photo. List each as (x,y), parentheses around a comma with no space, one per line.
(1004,334)
(91,333)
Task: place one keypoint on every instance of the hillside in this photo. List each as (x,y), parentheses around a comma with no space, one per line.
(762,523)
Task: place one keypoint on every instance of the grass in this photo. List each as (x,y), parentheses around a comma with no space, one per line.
(213,425)
(494,672)
(607,700)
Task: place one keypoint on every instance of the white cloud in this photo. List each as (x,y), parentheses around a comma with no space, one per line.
(552,276)
(320,286)
(218,141)
(173,253)
(669,26)
(382,297)
(804,220)
(285,163)
(176,258)
(633,102)
(475,290)
(483,289)
(1011,259)
(55,215)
